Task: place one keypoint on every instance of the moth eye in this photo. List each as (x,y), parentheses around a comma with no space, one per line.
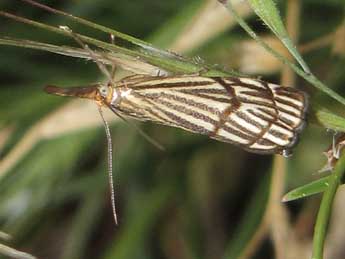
(103,90)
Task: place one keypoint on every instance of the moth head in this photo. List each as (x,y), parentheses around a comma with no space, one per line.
(104,90)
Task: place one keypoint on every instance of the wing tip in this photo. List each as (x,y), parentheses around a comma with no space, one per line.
(286,151)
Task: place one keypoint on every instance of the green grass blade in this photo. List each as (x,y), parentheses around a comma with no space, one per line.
(306,190)
(330,120)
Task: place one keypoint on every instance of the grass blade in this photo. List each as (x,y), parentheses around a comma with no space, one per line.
(330,120)
(306,190)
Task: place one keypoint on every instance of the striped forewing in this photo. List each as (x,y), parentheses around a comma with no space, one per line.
(255,115)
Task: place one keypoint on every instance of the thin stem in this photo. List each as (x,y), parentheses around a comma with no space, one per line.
(326,209)
(90,24)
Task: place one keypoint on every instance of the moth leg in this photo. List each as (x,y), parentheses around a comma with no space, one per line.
(158,72)
(201,72)
(92,53)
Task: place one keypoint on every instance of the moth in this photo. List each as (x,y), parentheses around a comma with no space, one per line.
(255,115)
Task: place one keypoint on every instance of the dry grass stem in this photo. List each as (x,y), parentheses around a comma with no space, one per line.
(256,240)
(210,21)
(339,41)
(74,116)
(277,214)
(4,236)
(284,240)
(5,134)
(263,63)
(10,252)
(318,43)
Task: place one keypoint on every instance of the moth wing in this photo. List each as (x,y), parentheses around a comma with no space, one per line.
(255,115)
(271,116)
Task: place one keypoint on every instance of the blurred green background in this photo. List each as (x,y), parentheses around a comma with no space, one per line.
(198,199)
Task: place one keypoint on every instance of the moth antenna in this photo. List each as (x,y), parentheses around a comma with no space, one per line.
(93,55)
(139,130)
(110,163)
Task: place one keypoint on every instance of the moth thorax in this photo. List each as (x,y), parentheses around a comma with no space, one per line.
(119,94)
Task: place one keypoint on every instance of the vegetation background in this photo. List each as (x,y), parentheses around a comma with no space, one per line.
(198,199)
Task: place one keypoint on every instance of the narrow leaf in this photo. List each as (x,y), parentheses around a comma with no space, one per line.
(306,190)
(330,120)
